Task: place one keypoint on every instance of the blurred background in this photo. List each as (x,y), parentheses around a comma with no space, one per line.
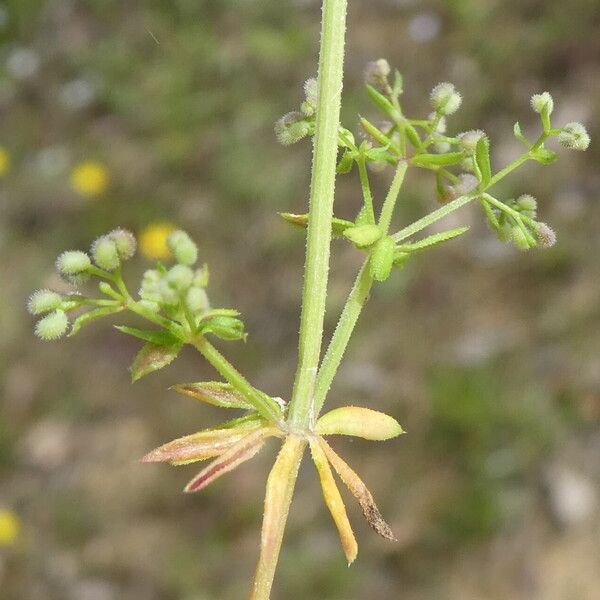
(149,114)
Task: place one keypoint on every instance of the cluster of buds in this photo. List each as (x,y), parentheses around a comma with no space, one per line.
(174,297)
(296,125)
(165,289)
(516,221)
(106,256)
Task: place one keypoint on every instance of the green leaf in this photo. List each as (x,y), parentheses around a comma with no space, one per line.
(225,328)
(412,135)
(346,162)
(375,132)
(153,357)
(520,136)
(213,392)
(482,157)
(163,338)
(380,100)
(219,312)
(382,259)
(378,154)
(363,236)
(545,156)
(337,228)
(438,160)
(432,240)
(91,315)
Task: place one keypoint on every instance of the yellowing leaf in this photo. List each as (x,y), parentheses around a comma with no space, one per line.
(280,487)
(334,502)
(359,491)
(213,392)
(200,446)
(153,357)
(359,422)
(240,452)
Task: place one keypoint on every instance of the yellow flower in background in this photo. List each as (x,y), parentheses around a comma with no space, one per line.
(4,161)
(153,240)
(10,527)
(89,178)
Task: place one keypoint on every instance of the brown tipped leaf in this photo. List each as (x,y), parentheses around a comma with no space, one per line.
(280,487)
(202,445)
(360,422)
(240,452)
(359,491)
(213,392)
(334,502)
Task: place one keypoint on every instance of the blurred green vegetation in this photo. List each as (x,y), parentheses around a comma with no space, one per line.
(488,357)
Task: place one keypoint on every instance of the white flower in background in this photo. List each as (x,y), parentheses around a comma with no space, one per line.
(77,94)
(424,27)
(23,63)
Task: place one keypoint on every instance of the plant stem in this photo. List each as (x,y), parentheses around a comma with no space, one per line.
(339,342)
(262,403)
(331,67)
(387,210)
(366,187)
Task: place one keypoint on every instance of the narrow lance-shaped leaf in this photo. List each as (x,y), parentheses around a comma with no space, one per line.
(338,226)
(153,357)
(239,453)
(334,502)
(482,157)
(438,160)
(432,240)
(278,497)
(203,444)
(153,336)
(91,315)
(216,393)
(380,101)
(359,422)
(360,491)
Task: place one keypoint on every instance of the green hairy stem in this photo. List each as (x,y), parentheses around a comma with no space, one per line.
(331,67)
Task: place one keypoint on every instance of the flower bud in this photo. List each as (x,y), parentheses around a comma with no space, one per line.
(105,253)
(311,90)
(541,101)
(527,202)
(202,276)
(309,106)
(73,264)
(180,277)
(445,99)
(149,289)
(197,300)
(43,301)
(546,235)
(150,305)
(168,295)
(52,326)
(376,74)
(124,241)
(291,128)
(574,136)
(183,248)
(468,139)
